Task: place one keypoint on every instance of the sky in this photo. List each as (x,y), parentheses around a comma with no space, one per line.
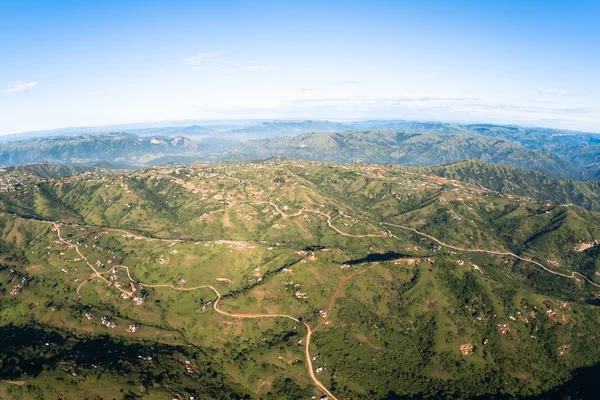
(90,63)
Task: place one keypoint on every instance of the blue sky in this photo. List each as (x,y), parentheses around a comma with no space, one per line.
(83,63)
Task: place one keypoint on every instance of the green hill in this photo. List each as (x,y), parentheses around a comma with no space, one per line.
(522,182)
(408,285)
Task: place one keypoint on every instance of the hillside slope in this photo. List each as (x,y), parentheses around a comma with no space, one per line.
(522,182)
(382,281)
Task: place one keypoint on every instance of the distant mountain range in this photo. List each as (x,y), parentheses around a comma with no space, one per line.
(118,149)
(557,153)
(46,170)
(410,149)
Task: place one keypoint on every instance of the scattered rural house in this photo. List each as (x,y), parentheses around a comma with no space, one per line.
(466,349)
(17,288)
(503,328)
(563,349)
(189,367)
(108,322)
(584,246)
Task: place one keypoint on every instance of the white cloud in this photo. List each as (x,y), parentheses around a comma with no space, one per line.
(200,58)
(18,87)
(556,92)
(344,82)
(440,107)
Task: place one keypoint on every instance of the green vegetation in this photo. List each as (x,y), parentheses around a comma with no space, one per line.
(212,249)
(522,182)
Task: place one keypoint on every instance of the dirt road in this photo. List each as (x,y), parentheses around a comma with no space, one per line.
(498,253)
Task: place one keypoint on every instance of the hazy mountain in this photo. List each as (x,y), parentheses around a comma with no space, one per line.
(46,170)
(529,137)
(416,149)
(558,153)
(120,149)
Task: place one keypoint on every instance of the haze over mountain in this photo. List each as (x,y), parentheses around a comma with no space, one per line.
(557,153)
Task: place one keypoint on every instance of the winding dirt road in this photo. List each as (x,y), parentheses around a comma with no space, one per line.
(498,253)
(95,274)
(216,307)
(232,315)
(310,331)
(307,210)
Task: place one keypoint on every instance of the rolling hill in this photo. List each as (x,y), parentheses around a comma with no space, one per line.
(292,279)
(522,182)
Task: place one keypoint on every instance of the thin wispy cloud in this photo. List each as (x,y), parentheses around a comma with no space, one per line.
(307,89)
(349,82)
(440,105)
(370,102)
(200,58)
(556,92)
(18,87)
